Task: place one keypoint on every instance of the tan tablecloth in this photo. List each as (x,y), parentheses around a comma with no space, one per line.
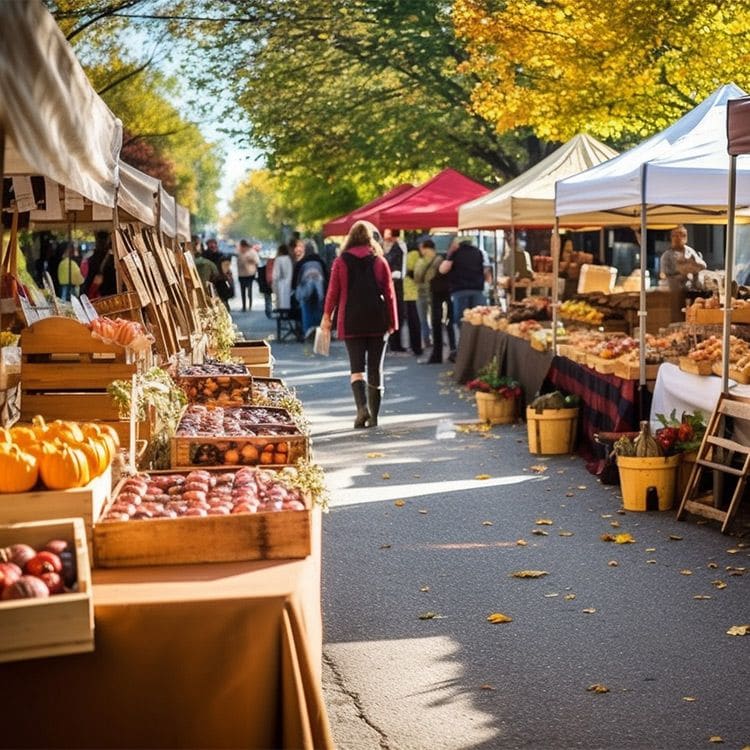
(211,656)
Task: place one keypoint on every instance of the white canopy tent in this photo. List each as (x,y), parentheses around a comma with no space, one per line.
(678,175)
(183,224)
(529,200)
(53,121)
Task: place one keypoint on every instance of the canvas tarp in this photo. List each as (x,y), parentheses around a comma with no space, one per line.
(341,225)
(432,205)
(167,213)
(183,224)
(55,123)
(679,174)
(528,201)
(137,195)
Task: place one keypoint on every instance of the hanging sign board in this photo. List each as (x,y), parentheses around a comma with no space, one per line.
(73,201)
(156,276)
(132,265)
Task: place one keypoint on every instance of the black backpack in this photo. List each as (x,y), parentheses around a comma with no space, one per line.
(366,312)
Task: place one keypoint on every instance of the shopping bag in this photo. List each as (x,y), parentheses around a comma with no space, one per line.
(322,342)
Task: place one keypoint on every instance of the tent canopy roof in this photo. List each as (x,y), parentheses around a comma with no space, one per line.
(680,174)
(343,224)
(55,123)
(529,199)
(434,204)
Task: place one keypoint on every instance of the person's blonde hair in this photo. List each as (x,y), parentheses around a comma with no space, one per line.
(363,233)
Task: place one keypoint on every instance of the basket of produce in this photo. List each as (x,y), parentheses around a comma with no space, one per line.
(552,424)
(221,383)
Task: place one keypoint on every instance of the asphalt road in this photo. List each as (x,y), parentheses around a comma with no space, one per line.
(418,552)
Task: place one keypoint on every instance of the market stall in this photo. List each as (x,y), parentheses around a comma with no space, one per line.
(342,224)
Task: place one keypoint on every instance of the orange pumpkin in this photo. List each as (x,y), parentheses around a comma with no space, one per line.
(19,471)
(68,432)
(97,455)
(93,431)
(108,430)
(5,436)
(63,467)
(39,425)
(23,436)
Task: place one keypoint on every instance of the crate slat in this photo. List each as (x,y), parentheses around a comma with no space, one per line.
(64,376)
(255,351)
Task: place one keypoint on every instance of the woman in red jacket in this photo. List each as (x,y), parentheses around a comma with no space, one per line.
(360,292)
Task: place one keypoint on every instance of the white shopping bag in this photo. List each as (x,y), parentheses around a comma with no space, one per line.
(322,343)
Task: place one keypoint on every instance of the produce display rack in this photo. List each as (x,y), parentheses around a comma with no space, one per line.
(65,372)
(253,352)
(60,624)
(269,535)
(220,390)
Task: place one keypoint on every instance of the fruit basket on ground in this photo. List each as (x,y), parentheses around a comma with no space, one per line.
(552,423)
(213,515)
(46,607)
(647,475)
(496,395)
(248,435)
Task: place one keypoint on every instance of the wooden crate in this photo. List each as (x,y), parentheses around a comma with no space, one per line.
(232,390)
(628,371)
(741,376)
(252,352)
(272,535)
(262,369)
(715,315)
(42,505)
(61,624)
(696,368)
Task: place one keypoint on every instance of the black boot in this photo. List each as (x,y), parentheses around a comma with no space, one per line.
(373,395)
(360,399)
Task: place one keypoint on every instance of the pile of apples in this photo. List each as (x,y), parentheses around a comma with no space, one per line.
(616,347)
(200,420)
(26,573)
(202,493)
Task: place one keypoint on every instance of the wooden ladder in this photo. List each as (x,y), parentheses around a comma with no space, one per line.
(720,452)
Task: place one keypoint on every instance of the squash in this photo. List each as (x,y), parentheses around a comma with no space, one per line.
(645,444)
(64,467)
(39,425)
(97,455)
(94,431)
(107,430)
(5,436)
(68,432)
(19,471)
(23,436)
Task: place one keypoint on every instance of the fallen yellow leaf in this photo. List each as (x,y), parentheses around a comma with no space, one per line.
(486,523)
(424,589)
(498,617)
(689,699)
(529,574)
(713,565)
(486,687)
(386,475)
(538,468)
(375,454)
(399,503)
(540,532)
(569,597)
(733,571)
(675,538)
(544,522)
(423,511)
(589,611)
(715,738)
(613,563)
(624,539)
(739,630)
(686,572)
(430,616)
(521,543)
(482,477)
(597,688)
(565,533)
(701,597)
(719,584)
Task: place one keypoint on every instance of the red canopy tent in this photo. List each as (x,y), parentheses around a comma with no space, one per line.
(342,224)
(432,205)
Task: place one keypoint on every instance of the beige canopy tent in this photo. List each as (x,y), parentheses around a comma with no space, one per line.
(52,122)
(529,200)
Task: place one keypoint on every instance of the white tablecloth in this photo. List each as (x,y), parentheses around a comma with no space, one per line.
(675,389)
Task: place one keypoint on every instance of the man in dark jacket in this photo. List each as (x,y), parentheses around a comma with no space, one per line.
(395,254)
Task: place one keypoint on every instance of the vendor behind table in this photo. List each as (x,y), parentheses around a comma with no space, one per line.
(680,265)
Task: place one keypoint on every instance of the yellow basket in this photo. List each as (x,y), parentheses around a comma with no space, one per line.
(640,476)
(552,432)
(495,409)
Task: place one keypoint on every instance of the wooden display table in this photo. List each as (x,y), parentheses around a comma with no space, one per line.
(223,655)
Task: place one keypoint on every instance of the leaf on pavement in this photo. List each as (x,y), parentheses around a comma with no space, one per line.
(399,503)
(719,584)
(614,524)
(734,571)
(675,538)
(385,546)
(689,699)
(569,597)
(597,687)
(424,589)
(486,687)
(713,565)
(732,551)
(498,617)
(482,477)
(386,475)
(375,454)
(739,630)
(551,595)
(544,522)
(521,543)
(589,611)
(566,533)
(423,511)
(430,616)
(529,574)
(486,523)
(650,549)
(540,532)
(686,572)
(538,468)
(581,487)
(701,597)
(715,739)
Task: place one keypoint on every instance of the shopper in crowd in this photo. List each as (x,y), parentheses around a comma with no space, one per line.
(362,296)
(69,273)
(395,254)
(410,302)
(224,281)
(247,271)
(441,309)
(265,279)
(99,262)
(308,283)
(211,252)
(207,269)
(466,271)
(423,294)
(281,279)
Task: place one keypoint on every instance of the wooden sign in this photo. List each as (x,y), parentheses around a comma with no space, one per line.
(132,265)
(73,201)
(156,276)
(195,279)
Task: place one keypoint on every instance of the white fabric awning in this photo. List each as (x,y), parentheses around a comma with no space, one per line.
(680,174)
(183,224)
(167,213)
(137,194)
(529,200)
(55,123)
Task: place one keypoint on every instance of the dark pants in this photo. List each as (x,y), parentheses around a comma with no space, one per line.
(441,305)
(415,327)
(394,342)
(246,287)
(366,354)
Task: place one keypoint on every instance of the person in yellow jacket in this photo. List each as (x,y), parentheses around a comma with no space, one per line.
(410,299)
(69,274)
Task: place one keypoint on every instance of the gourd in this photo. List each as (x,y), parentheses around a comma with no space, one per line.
(624,447)
(554,400)
(68,432)
(23,436)
(645,444)
(19,471)
(97,455)
(5,436)
(63,467)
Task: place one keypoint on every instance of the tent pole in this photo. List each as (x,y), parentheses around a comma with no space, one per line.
(2,184)
(555,250)
(497,263)
(642,314)
(512,272)
(728,273)
(602,246)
